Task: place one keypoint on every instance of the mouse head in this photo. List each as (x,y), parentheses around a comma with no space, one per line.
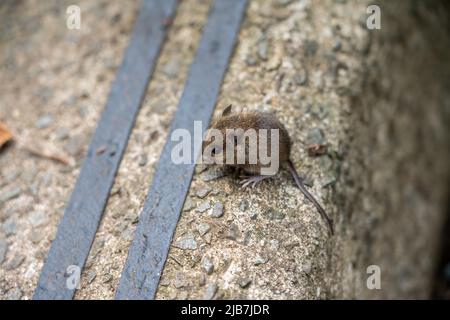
(227,133)
(214,143)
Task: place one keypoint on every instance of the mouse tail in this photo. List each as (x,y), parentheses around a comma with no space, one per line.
(309,196)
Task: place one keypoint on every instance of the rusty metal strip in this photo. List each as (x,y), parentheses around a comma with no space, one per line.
(158,220)
(84,211)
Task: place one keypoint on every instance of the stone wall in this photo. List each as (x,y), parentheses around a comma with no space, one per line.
(393,195)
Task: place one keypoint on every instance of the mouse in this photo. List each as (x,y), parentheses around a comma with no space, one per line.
(230,121)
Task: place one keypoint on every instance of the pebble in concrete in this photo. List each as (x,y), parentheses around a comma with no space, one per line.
(44,121)
(3,249)
(217,210)
(203,228)
(208,265)
(210,292)
(186,242)
(203,207)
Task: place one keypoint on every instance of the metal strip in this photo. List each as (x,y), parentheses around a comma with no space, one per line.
(79,224)
(158,220)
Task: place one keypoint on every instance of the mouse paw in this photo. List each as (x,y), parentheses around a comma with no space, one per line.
(251,181)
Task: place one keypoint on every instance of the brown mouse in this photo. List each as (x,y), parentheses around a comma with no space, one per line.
(213,148)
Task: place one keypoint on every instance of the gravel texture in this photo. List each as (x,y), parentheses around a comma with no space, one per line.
(285,62)
(304,60)
(54,84)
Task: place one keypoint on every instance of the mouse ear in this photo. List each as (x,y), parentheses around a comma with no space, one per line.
(227,111)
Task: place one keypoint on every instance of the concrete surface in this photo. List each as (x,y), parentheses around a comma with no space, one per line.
(326,77)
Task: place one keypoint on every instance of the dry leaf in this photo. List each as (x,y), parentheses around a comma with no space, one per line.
(5,134)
